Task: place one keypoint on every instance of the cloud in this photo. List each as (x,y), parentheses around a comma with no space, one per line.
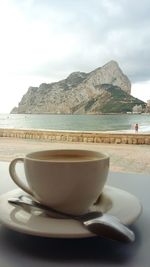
(47,34)
(50,39)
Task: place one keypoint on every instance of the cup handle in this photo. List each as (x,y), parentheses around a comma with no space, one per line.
(15,177)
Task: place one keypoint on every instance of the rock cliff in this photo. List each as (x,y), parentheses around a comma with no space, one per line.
(81,93)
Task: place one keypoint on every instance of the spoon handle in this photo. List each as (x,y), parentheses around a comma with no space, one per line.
(29,202)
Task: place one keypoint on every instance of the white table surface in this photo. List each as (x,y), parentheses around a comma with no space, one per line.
(20,250)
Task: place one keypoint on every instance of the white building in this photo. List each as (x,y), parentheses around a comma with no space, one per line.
(148,103)
(137,109)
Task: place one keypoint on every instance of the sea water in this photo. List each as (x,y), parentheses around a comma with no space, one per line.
(117,122)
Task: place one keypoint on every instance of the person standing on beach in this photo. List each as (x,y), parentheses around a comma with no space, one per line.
(136,128)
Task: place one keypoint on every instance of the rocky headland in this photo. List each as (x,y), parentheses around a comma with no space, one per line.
(104,90)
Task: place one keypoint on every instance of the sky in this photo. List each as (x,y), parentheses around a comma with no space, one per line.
(43,41)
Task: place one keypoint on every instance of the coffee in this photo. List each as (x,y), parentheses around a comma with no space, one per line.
(66,155)
(63,157)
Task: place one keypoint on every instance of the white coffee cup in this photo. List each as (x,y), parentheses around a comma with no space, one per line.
(67,180)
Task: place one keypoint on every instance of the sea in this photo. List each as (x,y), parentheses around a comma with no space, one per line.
(116,122)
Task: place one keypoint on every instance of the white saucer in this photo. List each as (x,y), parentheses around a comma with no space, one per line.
(113,200)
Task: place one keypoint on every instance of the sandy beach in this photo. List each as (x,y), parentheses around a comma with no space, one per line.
(123,157)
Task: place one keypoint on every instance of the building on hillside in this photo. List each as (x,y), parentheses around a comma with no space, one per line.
(137,109)
(148,103)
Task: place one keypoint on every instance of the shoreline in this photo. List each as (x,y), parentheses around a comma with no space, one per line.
(131,131)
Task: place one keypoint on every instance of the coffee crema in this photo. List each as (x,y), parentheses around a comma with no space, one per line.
(65,157)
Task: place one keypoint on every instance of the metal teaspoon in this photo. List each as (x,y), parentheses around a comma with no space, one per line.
(104,225)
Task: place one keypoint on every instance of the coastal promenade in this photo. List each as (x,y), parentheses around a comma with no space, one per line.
(131,158)
(78,136)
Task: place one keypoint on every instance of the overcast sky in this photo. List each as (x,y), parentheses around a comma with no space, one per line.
(46,40)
